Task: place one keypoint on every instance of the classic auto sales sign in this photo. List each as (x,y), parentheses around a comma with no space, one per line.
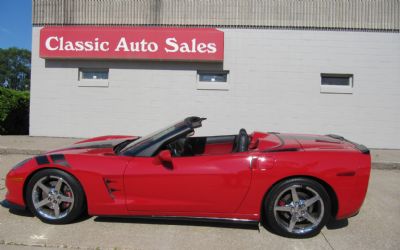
(147,43)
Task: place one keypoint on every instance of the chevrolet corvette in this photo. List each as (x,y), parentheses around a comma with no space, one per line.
(293,183)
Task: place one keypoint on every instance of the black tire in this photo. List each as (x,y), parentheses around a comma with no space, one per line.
(281,207)
(69,188)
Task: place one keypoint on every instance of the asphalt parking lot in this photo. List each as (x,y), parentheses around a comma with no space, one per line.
(376,227)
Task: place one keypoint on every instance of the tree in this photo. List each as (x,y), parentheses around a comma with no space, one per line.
(14,112)
(15,68)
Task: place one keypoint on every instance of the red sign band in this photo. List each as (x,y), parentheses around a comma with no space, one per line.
(149,43)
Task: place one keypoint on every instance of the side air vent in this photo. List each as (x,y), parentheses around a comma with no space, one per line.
(112,186)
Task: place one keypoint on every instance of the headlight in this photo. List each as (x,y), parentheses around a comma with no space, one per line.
(21,164)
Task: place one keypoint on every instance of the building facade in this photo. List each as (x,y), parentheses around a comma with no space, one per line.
(329,66)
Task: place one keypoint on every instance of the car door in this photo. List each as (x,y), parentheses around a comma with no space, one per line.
(209,184)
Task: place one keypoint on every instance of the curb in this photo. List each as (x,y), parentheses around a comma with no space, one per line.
(14,151)
(386,165)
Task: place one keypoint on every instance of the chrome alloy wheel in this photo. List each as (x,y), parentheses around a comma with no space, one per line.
(298,209)
(52,197)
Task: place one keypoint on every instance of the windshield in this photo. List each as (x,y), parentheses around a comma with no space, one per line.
(148,139)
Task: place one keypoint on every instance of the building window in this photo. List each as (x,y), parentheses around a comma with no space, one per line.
(213,76)
(212,80)
(93,77)
(337,83)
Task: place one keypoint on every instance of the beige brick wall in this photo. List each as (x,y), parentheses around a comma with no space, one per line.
(274,84)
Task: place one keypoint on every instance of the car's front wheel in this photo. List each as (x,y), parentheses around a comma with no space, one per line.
(55,196)
(297,208)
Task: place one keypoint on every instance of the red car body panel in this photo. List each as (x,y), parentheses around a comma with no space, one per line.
(217,184)
(211,184)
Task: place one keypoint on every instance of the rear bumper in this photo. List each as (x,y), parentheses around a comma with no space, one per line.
(352,190)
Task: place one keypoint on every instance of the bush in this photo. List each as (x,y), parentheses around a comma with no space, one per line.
(14,112)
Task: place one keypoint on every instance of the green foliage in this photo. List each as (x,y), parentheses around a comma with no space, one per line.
(15,68)
(14,112)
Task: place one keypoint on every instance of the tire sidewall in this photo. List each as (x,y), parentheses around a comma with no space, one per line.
(273,195)
(79,198)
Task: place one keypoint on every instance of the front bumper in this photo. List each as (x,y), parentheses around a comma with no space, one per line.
(15,188)
(12,206)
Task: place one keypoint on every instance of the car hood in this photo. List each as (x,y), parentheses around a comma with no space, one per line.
(97,145)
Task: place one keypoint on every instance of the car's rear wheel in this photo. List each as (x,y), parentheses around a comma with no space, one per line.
(297,208)
(55,196)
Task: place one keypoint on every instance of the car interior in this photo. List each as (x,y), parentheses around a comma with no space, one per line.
(209,145)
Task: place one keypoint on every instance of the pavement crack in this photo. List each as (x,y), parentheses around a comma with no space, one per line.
(327,241)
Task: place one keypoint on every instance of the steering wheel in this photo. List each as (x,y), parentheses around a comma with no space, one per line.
(177,147)
(173,149)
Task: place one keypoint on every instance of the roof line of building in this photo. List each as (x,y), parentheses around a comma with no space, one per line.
(233,27)
(365,15)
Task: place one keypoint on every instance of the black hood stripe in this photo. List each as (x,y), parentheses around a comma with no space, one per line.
(42,160)
(59,159)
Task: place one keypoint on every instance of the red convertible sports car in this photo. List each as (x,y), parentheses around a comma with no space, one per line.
(293,183)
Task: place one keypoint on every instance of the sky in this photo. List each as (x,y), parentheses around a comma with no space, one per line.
(16,24)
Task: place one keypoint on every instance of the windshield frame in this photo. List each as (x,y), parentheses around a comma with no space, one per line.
(147,146)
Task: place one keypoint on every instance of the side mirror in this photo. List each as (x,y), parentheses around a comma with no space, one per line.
(165,156)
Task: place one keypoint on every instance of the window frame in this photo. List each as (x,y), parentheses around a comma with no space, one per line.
(85,82)
(210,85)
(337,89)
